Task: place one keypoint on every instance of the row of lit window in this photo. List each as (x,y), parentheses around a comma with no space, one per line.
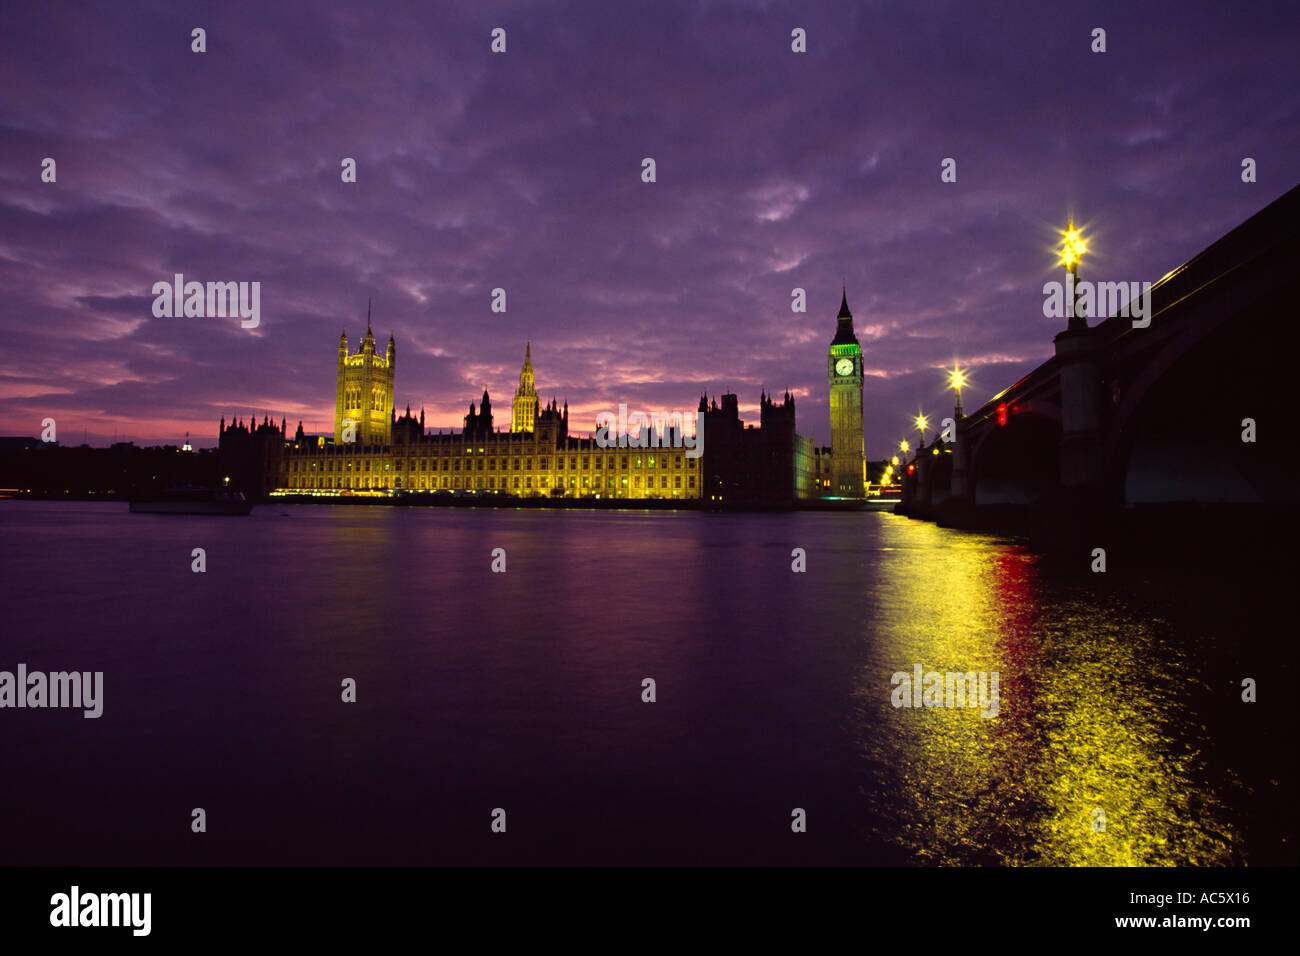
(501,484)
(352,399)
(511,464)
(455,450)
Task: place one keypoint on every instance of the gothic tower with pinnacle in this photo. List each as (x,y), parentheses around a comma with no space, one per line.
(523,411)
(363,402)
(844,373)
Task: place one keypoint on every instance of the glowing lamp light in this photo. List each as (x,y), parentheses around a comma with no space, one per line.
(1002,414)
(956,379)
(1073,247)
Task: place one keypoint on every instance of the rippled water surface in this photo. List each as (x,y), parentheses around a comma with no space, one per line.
(1119,738)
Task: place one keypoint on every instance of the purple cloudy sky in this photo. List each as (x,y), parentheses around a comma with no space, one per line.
(775,170)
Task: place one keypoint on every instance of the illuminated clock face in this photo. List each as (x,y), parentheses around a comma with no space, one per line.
(844,367)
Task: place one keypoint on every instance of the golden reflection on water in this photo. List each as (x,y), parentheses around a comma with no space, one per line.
(1090,719)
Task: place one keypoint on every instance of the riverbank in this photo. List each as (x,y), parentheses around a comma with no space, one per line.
(463,500)
(1173,533)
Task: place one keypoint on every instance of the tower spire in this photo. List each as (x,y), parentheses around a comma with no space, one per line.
(367,315)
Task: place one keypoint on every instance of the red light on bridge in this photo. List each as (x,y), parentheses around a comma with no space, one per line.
(911,468)
(1002,414)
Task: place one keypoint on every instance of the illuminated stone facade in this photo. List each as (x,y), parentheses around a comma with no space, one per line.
(844,375)
(537,458)
(363,403)
(740,465)
(523,411)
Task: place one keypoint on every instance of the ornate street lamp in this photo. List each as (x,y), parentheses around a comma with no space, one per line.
(1073,247)
(956,379)
(922,423)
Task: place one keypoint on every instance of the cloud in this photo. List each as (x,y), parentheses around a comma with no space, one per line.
(522,171)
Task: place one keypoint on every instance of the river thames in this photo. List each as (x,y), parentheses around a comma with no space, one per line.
(1120,736)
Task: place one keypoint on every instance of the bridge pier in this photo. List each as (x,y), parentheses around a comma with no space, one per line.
(908,485)
(957,510)
(960,488)
(1079,512)
(924,469)
(1082,444)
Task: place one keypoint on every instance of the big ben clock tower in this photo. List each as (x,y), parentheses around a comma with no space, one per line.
(844,371)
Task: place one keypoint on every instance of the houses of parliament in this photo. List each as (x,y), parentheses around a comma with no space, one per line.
(376,452)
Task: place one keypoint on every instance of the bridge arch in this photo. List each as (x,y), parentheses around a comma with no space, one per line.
(1017,463)
(1177,433)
